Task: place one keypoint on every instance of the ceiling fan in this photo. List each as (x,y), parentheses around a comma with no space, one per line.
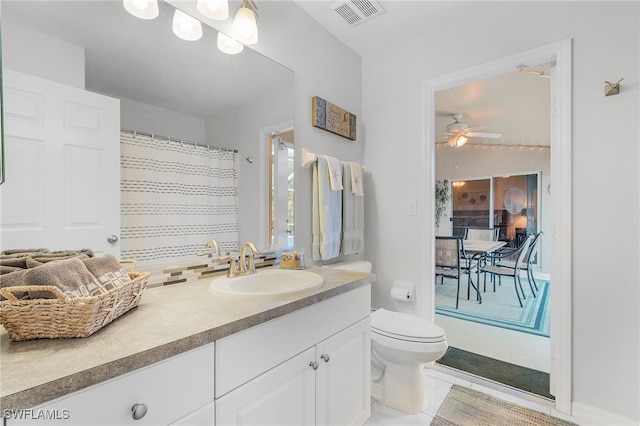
(459,132)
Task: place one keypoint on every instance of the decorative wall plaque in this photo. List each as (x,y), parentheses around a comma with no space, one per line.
(332,118)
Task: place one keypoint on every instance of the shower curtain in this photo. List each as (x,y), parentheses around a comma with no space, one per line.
(175,197)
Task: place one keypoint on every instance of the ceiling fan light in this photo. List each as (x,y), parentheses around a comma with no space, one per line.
(143,9)
(228,45)
(186,27)
(214,9)
(458,141)
(245,28)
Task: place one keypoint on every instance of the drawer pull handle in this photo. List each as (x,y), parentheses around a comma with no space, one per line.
(138,411)
(325,357)
(314,365)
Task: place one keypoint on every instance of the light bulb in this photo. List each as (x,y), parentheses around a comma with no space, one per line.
(186,27)
(214,9)
(245,29)
(228,45)
(143,9)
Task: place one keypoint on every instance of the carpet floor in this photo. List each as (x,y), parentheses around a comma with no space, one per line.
(466,407)
(499,308)
(526,379)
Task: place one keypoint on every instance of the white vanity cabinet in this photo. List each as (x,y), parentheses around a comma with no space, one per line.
(308,367)
(178,390)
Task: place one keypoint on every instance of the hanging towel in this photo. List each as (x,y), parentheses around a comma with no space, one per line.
(335,172)
(357,183)
(352,212)
(327,213)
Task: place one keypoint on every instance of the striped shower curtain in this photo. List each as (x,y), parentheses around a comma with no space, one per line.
(175,197)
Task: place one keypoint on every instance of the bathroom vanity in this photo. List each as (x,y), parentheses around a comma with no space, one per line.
(188,355)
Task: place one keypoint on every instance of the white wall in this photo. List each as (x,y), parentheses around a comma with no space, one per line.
(52,59)
(241,129)
(150,119)
(605,170)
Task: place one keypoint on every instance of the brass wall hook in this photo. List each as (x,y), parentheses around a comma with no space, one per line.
(612,88)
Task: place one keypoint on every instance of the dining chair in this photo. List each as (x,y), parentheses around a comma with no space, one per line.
(453,262)
(530,257)
(487,234)
(482,234)
(501,270)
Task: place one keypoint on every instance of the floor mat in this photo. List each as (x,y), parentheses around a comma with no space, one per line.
(467,407)
(526,379)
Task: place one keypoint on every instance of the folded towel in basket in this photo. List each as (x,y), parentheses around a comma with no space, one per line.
(13,279)
(71,276)
(108,270)
(23,251)
(35,261)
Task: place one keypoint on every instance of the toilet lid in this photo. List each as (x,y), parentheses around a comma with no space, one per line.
(405,327)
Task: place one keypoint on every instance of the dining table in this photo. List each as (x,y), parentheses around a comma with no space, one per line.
(479,250)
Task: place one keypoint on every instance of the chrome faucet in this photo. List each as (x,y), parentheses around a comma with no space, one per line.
(216,249)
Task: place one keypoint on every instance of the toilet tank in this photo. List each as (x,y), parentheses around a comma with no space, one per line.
(356,266)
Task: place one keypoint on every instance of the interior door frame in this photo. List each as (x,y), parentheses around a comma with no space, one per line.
(561,195)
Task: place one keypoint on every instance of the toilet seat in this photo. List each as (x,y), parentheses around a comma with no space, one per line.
(397,325)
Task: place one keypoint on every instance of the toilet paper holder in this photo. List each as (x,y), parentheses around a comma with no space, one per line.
(403,292)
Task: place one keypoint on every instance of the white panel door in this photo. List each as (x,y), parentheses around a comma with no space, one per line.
(343,379)
(62,167)
(282,396)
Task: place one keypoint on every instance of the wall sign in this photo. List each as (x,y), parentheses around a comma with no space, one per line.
(332,118)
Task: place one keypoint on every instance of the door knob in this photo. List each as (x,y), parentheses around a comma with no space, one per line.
(325,357)
(314,365)
(112,239)
(138,411)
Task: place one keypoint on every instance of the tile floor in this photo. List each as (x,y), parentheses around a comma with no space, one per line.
(438,382)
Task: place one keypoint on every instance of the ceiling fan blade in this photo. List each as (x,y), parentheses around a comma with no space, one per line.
(483,135)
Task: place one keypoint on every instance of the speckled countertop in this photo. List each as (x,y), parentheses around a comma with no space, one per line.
(169,320)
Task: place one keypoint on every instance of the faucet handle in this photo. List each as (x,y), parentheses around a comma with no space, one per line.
(233,269)
(251,268)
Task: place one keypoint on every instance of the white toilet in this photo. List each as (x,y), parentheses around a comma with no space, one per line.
(401,345)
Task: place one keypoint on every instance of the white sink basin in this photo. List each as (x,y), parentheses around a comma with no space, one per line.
(269,282)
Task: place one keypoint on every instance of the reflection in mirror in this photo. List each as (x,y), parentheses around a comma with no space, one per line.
(185,91)
(281,182)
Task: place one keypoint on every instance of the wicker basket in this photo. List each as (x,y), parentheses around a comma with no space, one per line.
(63,316)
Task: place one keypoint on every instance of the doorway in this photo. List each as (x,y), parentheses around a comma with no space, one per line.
(560,226)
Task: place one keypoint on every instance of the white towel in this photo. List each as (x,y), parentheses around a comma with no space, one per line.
(327,213)
(335,172)
(357,182)
(352,214)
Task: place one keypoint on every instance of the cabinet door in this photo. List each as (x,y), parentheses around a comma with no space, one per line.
(282,396)
(202,417)
(343,379)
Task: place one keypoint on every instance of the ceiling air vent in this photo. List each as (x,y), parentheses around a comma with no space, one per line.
(356,11)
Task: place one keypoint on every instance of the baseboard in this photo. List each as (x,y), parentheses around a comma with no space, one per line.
(588,415)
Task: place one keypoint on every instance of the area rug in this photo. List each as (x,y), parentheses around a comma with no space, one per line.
(466,407)
(516,376)
(499,308)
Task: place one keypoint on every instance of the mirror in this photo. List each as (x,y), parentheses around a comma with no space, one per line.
(168,86)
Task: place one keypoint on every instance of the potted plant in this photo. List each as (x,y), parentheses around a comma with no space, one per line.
(442,200)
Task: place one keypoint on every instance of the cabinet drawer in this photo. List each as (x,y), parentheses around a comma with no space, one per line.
(170,389)
(245,355)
